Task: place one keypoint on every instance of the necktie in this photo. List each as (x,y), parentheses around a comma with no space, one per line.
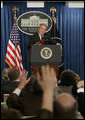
(42,41)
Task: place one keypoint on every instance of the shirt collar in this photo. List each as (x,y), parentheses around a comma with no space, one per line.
(40,36)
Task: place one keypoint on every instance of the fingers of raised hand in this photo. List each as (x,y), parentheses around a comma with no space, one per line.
(45,71)
(28,79)
(38,78)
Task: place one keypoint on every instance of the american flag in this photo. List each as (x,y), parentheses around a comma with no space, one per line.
(13,54)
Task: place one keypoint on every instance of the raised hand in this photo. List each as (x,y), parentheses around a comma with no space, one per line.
(80,84)
(47,82)
(48,79)
(23,79)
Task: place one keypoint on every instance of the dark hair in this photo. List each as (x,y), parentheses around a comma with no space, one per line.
(74,90)
(64,113)
(13,74)
(10,114)
(68,78)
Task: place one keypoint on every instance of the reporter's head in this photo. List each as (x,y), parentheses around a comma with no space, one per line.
(65,106)
(5,74)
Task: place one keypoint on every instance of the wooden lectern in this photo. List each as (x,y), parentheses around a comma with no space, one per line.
(35,69)
(43,55)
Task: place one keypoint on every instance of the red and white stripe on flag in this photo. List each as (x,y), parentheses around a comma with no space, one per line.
(13,54)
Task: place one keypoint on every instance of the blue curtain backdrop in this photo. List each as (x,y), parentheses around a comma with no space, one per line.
(70,23)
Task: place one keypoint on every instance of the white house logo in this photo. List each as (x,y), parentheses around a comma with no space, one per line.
(29,22)
(46,53)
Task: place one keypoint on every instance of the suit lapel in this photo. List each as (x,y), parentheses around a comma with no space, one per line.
(37,37)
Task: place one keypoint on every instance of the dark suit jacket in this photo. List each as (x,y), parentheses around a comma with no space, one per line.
(27,102)
(80,99)
(35,38)
(8,87)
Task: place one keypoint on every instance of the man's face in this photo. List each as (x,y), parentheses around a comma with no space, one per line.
(42,29)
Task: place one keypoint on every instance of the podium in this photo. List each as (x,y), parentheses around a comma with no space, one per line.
(45,54)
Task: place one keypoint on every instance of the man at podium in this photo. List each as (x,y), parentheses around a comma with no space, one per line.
(41,37)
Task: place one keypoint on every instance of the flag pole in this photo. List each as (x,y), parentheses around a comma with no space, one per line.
(53,10)
(15,9)
(13,54)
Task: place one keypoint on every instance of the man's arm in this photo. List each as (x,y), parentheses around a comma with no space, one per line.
(47,83)
(34,39)
(13,100)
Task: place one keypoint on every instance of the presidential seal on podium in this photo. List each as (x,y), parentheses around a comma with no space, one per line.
(46,53)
